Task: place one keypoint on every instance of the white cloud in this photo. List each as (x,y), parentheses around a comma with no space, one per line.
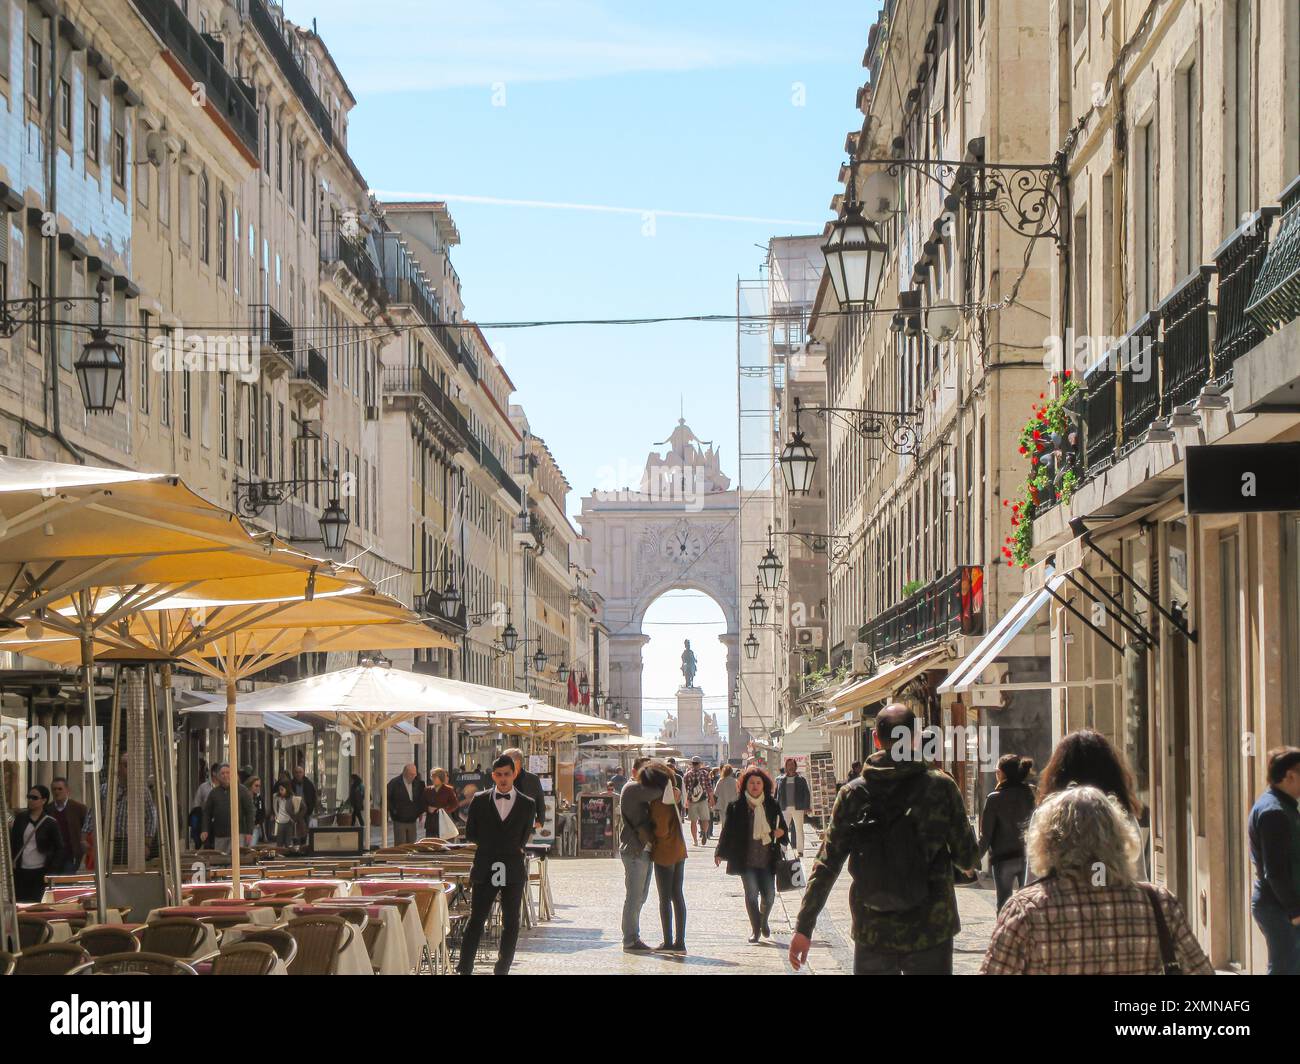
(414,45)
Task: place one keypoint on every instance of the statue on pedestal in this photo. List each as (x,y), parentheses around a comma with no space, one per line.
(688,664)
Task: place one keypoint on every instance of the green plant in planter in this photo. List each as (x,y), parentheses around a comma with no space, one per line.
(912,587)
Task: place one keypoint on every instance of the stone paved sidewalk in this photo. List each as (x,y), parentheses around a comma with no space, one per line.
(584,937)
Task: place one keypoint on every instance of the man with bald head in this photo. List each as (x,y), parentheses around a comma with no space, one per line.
(902,828)
(405,804)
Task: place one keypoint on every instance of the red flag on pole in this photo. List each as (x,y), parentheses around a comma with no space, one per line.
(573,689)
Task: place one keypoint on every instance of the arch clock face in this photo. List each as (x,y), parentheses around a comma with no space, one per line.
(682,546)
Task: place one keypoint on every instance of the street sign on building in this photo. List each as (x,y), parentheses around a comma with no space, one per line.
(1242,478)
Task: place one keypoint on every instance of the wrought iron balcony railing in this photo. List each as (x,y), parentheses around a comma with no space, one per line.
(314,368)
(270,32)
(338,246)
(1276,296)
(1139,379)
(1238,260)
(273,331)
(1185,352)
(1098,436)
(951,605)
(413,380)
(236,101)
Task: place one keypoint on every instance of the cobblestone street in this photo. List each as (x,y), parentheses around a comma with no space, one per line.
(584,937)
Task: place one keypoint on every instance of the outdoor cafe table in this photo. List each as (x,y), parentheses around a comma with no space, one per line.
(391,952)
(439,919)
(259,917)
(342,887)
(408,914)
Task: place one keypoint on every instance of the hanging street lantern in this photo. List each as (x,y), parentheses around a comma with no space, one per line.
(751,647)
(509,637)
(758,611)
(333,525)
(855,254)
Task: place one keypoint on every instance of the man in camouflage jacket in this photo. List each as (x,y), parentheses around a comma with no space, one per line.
(918,941)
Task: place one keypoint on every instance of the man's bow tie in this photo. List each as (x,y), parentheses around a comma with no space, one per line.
(503,797)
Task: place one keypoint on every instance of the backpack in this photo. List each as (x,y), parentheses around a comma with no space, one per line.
(697,792)
(887,859)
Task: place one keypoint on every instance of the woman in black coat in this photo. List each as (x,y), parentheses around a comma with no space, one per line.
(36,844)
(750,842)
(1002,825)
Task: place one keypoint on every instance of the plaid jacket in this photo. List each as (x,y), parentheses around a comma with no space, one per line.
(697,777)
(1067,927)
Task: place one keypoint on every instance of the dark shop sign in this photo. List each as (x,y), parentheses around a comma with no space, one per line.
(1242,478)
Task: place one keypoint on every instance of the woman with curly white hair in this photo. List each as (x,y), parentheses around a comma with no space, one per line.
(1088,914)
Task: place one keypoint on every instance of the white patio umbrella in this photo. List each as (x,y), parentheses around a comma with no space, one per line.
(370,699)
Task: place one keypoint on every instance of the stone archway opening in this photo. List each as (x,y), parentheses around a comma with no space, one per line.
(677,615)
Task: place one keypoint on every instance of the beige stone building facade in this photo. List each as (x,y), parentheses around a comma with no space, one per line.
(1181,121)
(922,450)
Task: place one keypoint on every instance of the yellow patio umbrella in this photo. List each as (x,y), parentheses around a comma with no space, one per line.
(232,641)
(106,542)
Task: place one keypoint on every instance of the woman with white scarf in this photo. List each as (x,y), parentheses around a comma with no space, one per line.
(668,852)
(749,842)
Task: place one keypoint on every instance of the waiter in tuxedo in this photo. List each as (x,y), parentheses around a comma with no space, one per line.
(500,823)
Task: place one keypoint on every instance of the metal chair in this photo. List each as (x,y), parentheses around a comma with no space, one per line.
(135,964)
(245,958)
(320,939)
(33,931)
(278,939)
(100,940)
(52,958)
(174,936)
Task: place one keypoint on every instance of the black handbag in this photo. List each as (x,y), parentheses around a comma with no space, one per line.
(1168,956)
(789,870)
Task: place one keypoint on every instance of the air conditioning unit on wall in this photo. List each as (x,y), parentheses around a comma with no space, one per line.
(808,638)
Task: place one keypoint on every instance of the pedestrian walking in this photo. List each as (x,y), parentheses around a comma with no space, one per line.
(750,842)
(500,823)
(120,840)
(1088,913)
(636,839)
(356,799)
(1007,810)
(405,804)
(902,828)
(216,813)
(698,792)
(36,845)
(259,809)
(70,815)
(200,800)
(305,789)
(1086,757)
(668,852)
(1274,830)
(795,798)
(529,784)
(439,797)
(725,791)
(288,813)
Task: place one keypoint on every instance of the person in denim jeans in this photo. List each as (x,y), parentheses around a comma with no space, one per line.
(634,850)
(748,842)
(1274,829)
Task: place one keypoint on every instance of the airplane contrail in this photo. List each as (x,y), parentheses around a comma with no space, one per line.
(597,208)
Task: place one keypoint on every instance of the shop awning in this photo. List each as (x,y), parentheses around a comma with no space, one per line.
(992,646)
(884,683)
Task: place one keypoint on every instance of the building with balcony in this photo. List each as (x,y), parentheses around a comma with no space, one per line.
(922,449)
(1161,554)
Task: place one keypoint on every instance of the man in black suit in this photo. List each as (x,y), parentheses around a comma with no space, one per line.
(499,823)
(405,804)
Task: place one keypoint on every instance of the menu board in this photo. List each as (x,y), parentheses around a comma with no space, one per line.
(821,780)
(466,785)
(546,836)
(597,816)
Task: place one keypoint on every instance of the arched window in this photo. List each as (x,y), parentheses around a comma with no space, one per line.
(205,237)
(221,235)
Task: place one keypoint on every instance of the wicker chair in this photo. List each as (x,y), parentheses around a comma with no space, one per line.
(174,936)
(33,931)
(100,940)
(52,958)
(223,920)
(278,939)
(245,958)
(6,963)
(320,941)
(135,964)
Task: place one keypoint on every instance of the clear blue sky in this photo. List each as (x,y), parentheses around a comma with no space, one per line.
(731,113)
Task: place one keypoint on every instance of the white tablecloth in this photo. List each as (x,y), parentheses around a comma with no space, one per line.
(355,960)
